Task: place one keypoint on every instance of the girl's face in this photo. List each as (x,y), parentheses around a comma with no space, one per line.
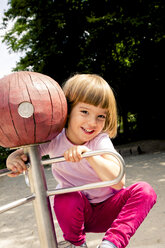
(86,121)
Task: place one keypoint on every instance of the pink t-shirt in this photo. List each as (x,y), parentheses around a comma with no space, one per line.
(70,174)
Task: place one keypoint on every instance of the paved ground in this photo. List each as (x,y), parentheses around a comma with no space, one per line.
(18,227)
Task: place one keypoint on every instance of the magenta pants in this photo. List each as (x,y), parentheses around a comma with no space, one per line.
(119,216)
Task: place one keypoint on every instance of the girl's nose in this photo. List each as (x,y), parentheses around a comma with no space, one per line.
(92,122)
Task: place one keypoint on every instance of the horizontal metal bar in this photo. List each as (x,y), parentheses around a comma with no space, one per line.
(85,155)
(52,192)
(5,172)
(91,185)
(17,203)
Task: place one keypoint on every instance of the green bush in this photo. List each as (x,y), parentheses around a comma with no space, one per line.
(4,153)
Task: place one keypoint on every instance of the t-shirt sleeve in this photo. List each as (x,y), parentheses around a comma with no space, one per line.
(103,142)
(45,148)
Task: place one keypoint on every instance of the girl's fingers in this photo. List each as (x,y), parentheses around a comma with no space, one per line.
(14,171)
(20,169)
(17,167)
(70,157)
(74,154)
(24,157)
(66,155)
(13,174)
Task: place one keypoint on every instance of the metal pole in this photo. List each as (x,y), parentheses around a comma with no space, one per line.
(17,203)
(41,202)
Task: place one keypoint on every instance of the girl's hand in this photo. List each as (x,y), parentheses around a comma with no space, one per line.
(16,163)
(74,154)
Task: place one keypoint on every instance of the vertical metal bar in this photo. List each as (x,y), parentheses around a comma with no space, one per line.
(41,203)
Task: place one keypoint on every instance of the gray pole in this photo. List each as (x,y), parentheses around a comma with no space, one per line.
(41,203)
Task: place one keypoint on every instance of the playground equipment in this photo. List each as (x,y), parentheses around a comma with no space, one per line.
(33,110)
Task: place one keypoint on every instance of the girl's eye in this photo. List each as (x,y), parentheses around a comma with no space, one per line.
(102,117)
(84,111)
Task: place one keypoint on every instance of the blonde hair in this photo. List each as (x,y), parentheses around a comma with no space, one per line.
(92,89)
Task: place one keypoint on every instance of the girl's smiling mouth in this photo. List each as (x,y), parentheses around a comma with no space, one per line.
(87,131)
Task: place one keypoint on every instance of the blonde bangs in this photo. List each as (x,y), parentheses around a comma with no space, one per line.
(87,88)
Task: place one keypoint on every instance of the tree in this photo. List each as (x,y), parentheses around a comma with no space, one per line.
(120,40)
(51,32)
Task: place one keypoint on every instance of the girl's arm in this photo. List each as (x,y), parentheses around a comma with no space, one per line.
(106,166)
(16,162)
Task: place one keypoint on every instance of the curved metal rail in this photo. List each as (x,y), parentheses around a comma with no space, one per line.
(91,185)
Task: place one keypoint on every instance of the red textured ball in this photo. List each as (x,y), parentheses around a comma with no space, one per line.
(33,109)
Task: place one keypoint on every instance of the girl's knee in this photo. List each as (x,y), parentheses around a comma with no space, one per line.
(146,192)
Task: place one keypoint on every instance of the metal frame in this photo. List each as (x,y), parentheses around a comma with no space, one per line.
(40,193)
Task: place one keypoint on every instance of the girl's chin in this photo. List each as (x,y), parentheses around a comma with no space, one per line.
(87,138)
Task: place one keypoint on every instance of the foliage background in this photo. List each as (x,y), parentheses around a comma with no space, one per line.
(121,40)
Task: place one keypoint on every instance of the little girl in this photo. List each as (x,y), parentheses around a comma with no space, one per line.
(115,210)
